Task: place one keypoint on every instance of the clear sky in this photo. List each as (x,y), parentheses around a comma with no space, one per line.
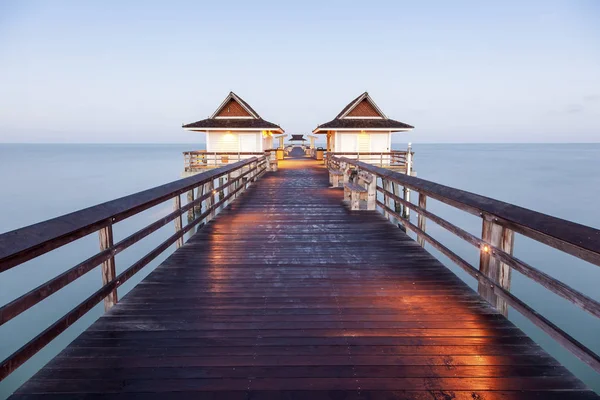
(460,71)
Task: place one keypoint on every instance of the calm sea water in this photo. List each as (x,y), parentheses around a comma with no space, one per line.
(43,181)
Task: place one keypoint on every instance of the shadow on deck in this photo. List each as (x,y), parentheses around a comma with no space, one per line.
(287,294)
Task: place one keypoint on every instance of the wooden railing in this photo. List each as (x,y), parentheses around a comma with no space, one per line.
(205,199)
(500,221)
(200,159)
(396,159)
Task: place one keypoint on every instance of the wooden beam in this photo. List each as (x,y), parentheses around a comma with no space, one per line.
(494,235)
(422,220)
(191,214)
(108,266)
(372,193)
(178,221)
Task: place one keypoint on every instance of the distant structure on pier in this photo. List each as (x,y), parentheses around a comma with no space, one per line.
(235,127)
(361,127)
(298,138)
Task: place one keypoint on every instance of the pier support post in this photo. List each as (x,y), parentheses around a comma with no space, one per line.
(178,220)
(422,220)
(108,267)
(490,266)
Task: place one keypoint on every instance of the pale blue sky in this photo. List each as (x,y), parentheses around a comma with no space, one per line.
(460,71)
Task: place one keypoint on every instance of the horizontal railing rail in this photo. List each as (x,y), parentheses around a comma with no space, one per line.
(394,158)
(500,221)
(205,199)
(201,159)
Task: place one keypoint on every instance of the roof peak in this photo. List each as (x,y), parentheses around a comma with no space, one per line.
(374,109)
(245,106)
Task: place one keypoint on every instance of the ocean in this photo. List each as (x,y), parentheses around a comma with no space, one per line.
(43,181)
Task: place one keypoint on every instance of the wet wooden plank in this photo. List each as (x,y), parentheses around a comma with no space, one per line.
(307,394)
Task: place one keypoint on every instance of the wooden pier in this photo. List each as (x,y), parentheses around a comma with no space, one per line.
(287,293)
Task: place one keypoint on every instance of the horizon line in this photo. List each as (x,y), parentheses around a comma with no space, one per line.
(187,143)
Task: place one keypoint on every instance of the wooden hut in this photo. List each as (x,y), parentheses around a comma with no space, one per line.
(297,138)
(362,130)
(234,131)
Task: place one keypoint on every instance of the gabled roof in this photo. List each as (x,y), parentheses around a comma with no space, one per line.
(297,137)
(360,100)
(234,98)
(233,113)
(362,114)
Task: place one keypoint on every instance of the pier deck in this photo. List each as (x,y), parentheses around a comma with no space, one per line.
(288,294)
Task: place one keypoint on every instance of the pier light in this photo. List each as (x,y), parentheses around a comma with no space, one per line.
(485,248)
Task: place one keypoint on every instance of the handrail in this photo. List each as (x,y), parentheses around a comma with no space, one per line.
(21,245)
(201,159)
(500,221)
(578,240)
(397,159)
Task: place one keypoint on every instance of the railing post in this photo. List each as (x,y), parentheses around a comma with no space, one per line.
(354,200)
(258,169)
(108,267)
(221,183)
(199,193)
(422,220)
(274,162)
(254,165)
(210,200)
(178,220)
(490,266)
(227,190)
(233,188)
(246,179)
(344,166)
(372,193)
(406,191)
(191,214)
(387,200)
(397,204)
(268,160)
